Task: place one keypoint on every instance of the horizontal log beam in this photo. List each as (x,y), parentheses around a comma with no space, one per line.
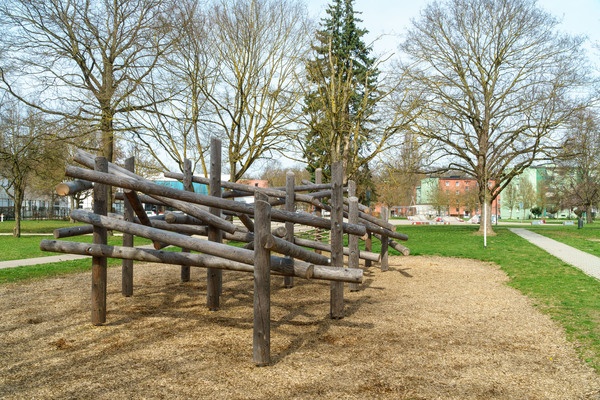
(197,198)
(73,187)
(365,255)
(405,251)
(280,265)
(290,249)
(176,239)
(73,231)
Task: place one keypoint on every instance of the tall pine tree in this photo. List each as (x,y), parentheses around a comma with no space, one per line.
(341,103)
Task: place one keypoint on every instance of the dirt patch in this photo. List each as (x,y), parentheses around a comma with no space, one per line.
(430,328)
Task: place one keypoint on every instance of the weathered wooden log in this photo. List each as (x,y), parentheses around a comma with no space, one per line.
(247,221)
(99,264)
(384,243)
(128,239)
(187,186)
(73,231)
(217,249)
(354,256)
(192,209)
(73,187)
(213,248)
(262,286)
(279,265)
(290,205)
(281,194)
(337,248)
(214,277)
(405,251)
(322,246)
(197,198)
(385,232)
(318,210)
(316,185)
(136,205)
(143,198)
(290,249)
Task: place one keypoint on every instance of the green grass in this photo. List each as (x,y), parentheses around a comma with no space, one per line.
(565,293)
(43,271)
(12,248)
(41,226)
(586,239)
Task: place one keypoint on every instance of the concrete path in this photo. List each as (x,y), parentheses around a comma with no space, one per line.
(40,260)
(588,263)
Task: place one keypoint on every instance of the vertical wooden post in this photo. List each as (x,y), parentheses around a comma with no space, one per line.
(290,199)
(368,247)
(99,264)
(337,237)
(319,212)
(214,277)
(354,257)
(127,265)
(261,354)
(188,187)
(384,241)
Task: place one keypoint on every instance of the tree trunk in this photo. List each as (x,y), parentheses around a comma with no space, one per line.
(19,194)
(485,223)
(588,214)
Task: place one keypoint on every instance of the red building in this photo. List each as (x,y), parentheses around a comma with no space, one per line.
(460,195)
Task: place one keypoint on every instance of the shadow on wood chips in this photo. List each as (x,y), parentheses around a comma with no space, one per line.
(430,328)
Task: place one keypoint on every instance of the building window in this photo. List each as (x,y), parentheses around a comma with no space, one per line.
(457,183)
(447,183)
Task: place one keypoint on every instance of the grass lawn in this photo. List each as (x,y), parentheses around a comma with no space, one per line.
(12,248)
(565,293)
(41,226)
(28,246)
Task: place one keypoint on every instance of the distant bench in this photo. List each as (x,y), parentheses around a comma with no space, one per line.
(568,222)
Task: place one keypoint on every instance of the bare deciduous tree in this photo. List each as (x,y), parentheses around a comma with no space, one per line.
(577,169)
(84,60)
(254,51)
(498,79)
(176,130)
(28,148)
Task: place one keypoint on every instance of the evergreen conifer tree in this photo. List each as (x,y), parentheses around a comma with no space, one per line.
(341,102)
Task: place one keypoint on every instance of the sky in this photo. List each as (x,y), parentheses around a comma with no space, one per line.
(389,19)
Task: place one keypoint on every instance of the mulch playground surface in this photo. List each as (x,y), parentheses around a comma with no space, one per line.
(430,328)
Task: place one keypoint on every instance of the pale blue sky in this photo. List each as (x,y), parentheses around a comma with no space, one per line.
(390,18)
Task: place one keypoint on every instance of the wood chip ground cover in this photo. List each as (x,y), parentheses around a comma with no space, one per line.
(430,328)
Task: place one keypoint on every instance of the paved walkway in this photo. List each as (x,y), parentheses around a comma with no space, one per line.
(40,260)
(588,263)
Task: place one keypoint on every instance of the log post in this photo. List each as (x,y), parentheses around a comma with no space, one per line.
(288,281)
(262,284)
(353,258)
(187,186)
(127,265)
(99,264)
(318,210)
(214,277)
(384,242)
(368,247)
(337,252)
